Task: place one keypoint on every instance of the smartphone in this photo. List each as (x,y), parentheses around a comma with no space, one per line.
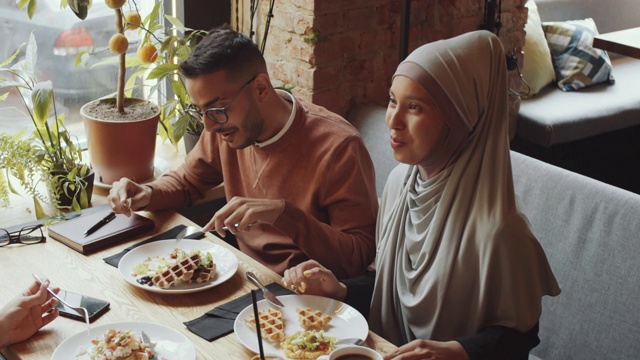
(95,307)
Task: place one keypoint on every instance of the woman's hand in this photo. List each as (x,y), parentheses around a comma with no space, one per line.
(314,279)
(429,350)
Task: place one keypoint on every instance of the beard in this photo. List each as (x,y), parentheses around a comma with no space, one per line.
(249,130)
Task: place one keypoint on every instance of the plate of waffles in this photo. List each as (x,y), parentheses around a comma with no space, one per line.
(300,313)
(163,267)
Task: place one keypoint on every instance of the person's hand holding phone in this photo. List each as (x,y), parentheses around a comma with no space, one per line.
(26,314)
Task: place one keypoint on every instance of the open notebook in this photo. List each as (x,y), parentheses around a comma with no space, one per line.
(71,232)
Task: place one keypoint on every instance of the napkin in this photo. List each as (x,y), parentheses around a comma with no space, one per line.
(219,321)
(113,260)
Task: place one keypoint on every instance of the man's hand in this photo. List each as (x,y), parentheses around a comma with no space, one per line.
(127,196)
(430,350)
(240,213)
(311,278)
(26,314)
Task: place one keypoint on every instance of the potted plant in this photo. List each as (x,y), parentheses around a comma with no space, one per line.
(121,131)
(49,155)
(159,73)
(159,55)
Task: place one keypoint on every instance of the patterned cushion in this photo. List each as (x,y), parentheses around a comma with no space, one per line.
(576,62)
(537,68)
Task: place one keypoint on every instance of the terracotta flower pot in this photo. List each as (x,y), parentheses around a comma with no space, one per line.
(121,147)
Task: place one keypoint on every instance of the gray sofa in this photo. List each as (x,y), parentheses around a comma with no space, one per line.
(590,232)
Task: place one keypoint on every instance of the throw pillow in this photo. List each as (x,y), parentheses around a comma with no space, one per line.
(537,68)
(576,62)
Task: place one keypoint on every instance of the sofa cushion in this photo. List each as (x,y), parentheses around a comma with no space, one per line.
(590,233)
(576,62)
(370,121)
(554,117)
(537,69)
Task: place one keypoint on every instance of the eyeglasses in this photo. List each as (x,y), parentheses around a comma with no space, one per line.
(217,115)
(28,235)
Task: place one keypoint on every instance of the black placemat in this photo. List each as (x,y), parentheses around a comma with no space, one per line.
(113,260)
(219,321)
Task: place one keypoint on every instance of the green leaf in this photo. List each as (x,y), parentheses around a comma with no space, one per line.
(38,207)
(12,57)
(108,61)
(75,206)
(163,70)
(31,8)
(31,56)
(82,58)
(42,97)
(22,3)
(84,198)
(175,22)
(179,89)
(11,187)
(80,7)
(152,18)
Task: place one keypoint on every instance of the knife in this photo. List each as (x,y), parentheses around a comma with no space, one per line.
(146,339)
(272,299)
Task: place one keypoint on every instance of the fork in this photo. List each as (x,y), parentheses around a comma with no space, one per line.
(80,310)
(349,341)
(147,340)
(188,230)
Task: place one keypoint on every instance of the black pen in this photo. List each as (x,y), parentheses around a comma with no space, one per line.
(100,223)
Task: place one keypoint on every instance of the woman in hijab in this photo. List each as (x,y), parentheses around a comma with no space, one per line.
(459,274)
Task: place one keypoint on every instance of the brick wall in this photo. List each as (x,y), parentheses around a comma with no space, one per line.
(339,53)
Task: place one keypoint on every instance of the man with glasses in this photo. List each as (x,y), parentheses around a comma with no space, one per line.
(298,179)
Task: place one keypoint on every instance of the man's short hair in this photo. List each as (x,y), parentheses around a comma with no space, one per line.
(224,49)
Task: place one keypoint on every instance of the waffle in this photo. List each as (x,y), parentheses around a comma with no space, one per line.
(206,273)
(313,319)
(181,271)
(271,325)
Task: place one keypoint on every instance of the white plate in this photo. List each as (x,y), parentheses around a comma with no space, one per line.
(160,167)
(226,263)
(169,343)
(347,322)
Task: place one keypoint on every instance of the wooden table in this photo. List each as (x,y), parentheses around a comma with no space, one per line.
(624,42)
(90,275)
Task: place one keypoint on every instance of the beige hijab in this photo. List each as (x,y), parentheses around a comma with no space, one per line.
(454,255)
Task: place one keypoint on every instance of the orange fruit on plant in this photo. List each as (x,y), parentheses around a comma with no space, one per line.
(118,43)
(147,53)
(115,4)
(133,20)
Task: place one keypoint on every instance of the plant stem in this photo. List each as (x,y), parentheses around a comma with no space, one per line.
(121,65)
(266,26)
